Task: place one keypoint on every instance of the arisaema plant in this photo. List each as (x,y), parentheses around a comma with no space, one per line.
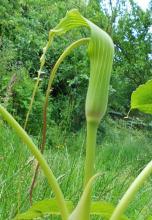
(100,52)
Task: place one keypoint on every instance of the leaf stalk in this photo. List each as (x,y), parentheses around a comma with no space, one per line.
(130,193)
(44,166)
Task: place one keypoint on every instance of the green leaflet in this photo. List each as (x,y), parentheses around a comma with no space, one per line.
(104,209)
(43,208)
(141,98)
(50,207)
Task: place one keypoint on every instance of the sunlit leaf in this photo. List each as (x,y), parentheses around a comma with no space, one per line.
(43,208)
(104,209)
(50,207)
(141,98)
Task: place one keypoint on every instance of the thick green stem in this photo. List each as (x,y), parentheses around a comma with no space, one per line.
(90,151)
(90,161)
(46,169)
(123,204)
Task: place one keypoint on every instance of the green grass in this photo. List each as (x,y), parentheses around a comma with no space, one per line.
(121,154)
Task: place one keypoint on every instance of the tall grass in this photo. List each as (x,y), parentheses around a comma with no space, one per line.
(121,154)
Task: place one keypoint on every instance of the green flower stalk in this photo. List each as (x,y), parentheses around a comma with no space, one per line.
(100,51)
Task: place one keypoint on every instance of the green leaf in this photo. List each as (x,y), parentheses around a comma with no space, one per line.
(104,209)
(43,208)
(149,218)
(50,207)
(141,98)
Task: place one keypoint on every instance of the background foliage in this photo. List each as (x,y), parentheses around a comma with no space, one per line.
(24,32)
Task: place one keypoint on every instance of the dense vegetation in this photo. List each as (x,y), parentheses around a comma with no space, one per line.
(24,32)
(24,29)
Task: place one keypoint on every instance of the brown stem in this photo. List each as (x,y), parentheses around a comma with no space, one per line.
(52,75)
(33,182)
(41,149)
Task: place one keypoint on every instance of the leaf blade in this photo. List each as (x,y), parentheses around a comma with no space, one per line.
(104,209)
(43,208)
(141,98)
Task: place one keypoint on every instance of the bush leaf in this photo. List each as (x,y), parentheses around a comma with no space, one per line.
(141,98)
